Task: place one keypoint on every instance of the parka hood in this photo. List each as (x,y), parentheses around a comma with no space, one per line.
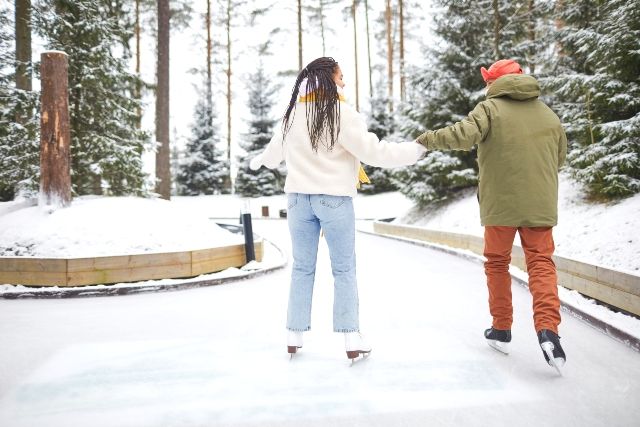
(515,86)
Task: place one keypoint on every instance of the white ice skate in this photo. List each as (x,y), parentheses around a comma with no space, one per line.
(355,345)
(294,342)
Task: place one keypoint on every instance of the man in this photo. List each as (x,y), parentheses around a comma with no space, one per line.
(521,146)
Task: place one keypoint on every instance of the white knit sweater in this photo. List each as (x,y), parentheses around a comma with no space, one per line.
(333,172)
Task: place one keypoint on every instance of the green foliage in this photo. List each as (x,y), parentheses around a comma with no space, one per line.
(19,124)
(596,87)
(263,182)
(204,168)
(106,146)
(435,178)
(381,122)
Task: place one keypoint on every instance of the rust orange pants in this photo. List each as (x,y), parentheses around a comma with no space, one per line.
(537,243)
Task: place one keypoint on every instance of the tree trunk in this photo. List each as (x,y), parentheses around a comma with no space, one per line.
(354,6)
(496,30)
(209,44)
(299,34)
(532,36)
(228,24)
(23,52)
(163,163)
(55,137)
(387,18)
(366,14)
(138,94)
(23,44)
(321,2)
(402,76)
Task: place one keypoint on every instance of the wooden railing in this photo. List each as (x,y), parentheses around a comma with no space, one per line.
(618,289)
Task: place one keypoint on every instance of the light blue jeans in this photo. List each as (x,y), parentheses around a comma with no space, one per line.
(307,214)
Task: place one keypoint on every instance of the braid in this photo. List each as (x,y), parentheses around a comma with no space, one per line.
(323,110)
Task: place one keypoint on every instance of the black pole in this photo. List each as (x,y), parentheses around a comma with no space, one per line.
(247,229)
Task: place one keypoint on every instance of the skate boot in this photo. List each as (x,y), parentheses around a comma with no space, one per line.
(551,349)
(294,342)
(355,345)
(498,339)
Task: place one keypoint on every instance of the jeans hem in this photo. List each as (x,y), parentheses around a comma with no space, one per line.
(346,331)
(308,328)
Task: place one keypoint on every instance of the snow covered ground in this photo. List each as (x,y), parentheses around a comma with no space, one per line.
(101,226)
(216,356)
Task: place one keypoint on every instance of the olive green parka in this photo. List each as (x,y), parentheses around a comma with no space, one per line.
(521,146)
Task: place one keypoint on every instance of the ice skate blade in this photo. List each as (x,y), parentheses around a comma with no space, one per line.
(292,349)
(502,347)
(555,362)
(354,355)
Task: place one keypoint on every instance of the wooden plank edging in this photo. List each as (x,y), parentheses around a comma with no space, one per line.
(124,268)
(618,289)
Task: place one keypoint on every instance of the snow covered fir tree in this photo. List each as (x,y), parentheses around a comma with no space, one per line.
(442,92)
(595,80)
(107,146)
(583,52)
(380,122)
(19,123)
(203,168)
(263,182)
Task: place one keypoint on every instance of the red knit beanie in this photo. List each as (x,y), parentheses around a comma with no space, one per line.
(500,68)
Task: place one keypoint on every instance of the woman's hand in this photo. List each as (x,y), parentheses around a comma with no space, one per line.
(256,162)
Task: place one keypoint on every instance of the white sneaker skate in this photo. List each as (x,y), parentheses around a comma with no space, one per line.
(294,342)
(355,345)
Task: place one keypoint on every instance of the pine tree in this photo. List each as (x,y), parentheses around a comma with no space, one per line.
(445,90)
(381,123)
(19,124)
(597,93)
(106,146)
(263,182)
(204,168)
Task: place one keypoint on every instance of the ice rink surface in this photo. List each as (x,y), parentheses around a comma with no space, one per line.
(217,356)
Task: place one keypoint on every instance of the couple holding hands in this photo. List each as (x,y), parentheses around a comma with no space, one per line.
(521,146)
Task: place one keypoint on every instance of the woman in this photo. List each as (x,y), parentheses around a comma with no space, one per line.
(322,149)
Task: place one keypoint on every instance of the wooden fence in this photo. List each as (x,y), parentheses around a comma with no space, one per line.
(126,268)
(615,288)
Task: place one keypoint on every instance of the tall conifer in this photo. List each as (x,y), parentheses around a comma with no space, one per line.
(263,182)
(106,146)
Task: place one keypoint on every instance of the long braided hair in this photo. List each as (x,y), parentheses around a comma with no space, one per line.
(322,108)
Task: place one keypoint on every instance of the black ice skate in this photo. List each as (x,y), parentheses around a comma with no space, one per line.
(498,339)
(551,349)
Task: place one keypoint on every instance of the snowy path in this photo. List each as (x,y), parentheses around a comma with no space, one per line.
(216,356)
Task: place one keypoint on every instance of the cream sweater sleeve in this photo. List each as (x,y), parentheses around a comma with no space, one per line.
(273,153)
(366,147)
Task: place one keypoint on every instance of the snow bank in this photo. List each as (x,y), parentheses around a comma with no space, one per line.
(594,233)
(102,226)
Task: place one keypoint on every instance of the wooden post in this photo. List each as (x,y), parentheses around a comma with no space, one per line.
(55,177)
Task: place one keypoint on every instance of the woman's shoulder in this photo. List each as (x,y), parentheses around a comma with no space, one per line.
(348,113)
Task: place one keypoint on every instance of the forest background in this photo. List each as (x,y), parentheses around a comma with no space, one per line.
(173,97)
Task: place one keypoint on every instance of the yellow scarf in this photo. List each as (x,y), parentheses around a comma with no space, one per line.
(362,175)
(310,97)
